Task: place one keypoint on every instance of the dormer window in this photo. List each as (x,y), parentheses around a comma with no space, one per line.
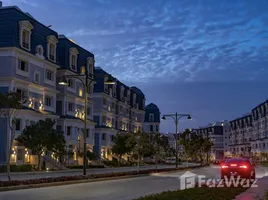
(134,99)
(73,58)
(52,52)
(128,95)
(51,47)
(122,93)
(25,34)
(114,90)
(90,64)
(143,104)
(105,85)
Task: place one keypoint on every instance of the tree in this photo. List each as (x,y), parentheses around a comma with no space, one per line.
(41,136)
(158,145)
(185,141)
(56,143)
(91,155)
(122,144)
(195,146)
(143,145)
(10,105)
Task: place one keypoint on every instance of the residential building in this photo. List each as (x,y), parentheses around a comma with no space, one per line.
(117,108)
(259,138)
(215,132)
(152,119)
(29,61)
(74,60)
(240,135)
(226,140)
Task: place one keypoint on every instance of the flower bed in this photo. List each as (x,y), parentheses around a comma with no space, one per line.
(81,177)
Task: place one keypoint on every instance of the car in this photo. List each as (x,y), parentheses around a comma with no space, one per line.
(238,167)
(217,162)
(170,161)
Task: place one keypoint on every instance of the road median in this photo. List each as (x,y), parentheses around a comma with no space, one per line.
(66,180)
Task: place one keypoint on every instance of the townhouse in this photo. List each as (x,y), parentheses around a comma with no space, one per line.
(34,59)
(28,65)
(75,60)
(152,119)
(117,108)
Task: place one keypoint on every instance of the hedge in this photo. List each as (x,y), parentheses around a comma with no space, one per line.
(16,168)
(81,177)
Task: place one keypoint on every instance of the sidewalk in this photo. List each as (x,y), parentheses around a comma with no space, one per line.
(254,193)
(75,172)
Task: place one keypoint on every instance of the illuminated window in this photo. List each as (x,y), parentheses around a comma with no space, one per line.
(80,92)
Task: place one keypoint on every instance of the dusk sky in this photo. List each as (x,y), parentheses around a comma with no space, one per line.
(208,58)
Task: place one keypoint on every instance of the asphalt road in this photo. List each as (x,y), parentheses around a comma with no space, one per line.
(36,175)
(121,189)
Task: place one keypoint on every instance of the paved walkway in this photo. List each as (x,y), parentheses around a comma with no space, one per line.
(257,192)
(74,172)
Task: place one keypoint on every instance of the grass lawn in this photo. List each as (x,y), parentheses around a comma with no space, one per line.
(264,164)
(203,193)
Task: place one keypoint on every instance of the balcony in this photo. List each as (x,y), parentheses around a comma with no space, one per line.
(51,57)
(25,45)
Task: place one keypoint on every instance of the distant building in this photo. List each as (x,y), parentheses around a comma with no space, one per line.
(240,135)
(214,132)
(152,119)
(259,138)
(117,108)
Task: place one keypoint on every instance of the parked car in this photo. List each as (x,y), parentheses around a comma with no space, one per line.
(216,162)
(170,161)
(238,167)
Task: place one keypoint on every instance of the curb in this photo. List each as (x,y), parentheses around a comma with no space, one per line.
(145,167)
(32,186)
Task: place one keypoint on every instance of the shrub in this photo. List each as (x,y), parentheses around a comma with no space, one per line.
(198,193)
(16,168)
(80,177)
(81,166)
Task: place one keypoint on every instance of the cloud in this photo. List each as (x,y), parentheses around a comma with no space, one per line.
(169,40)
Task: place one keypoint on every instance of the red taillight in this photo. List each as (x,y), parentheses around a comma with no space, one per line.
(224,166)
(243,166)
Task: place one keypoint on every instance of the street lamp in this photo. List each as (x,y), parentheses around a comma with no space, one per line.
(176,117)
(86,84)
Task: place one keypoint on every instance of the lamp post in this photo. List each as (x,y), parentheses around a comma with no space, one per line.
(86,84)
(176,117)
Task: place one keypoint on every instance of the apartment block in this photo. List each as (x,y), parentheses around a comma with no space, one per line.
(259,137)
(214,132)
(117,108)
(240,135)
(28,65)
(73,59)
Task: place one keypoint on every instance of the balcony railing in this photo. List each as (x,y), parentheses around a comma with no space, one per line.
(51,57)
(25,45)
